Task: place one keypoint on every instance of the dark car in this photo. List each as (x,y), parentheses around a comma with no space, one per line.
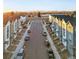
(44,34)
(27,37)
(47,43)
(50,53)
(29,31)
(20,55)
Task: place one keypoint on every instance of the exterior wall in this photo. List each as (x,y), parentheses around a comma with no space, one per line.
(70,40)
(19,23)
(60,33)
(66,34)
(64,41)
(70,44)
(52,26)
(74,43)
(50,18)
(23,18)
(7,35)
(57,29)
(12,31)
(60,29)
(3,39)
(15,28)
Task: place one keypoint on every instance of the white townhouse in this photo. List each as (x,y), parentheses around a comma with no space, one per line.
(21,21)
(23,18)
(6,33)
(10,28)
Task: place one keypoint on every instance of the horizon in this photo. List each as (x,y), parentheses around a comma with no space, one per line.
(41,11)
(37,5)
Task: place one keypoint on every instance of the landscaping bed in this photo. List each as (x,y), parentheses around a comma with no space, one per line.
(7,55)
(11,48)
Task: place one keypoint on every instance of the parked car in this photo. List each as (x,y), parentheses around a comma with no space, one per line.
(29,31)
(47,43)
(50,53)
(27,37)
(24,26)
(44,34)
(20,55)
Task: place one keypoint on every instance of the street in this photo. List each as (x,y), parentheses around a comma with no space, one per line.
(36,48)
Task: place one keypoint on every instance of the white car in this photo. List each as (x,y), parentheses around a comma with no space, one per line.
(27,37)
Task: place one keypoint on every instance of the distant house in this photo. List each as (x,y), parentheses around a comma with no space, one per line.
(23,19)
(64,27)
(50,19)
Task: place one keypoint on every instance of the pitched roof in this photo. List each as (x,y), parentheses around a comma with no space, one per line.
(8,17)
(66,18)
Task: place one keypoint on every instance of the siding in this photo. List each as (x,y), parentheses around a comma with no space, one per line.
(70,43)
(64,27)
(5,35)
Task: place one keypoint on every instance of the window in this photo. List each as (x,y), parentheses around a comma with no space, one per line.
(7,32)
(64,32)
(15,25)
(70,37)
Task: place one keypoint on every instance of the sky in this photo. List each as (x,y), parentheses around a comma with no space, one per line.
(45,5)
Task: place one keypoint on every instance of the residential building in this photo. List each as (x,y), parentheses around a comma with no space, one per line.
(23,19)
(64,27)
(6,32)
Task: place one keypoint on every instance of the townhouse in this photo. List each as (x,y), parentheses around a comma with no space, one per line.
(23,19)
(10,28)
(64,27)
(6,32)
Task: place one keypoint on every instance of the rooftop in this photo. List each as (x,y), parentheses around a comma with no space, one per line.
(9,17)
(66,18)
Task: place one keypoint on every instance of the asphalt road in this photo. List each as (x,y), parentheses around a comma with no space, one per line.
(36,46)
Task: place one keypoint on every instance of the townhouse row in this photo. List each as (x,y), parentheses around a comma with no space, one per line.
(65,28)
(11,25)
